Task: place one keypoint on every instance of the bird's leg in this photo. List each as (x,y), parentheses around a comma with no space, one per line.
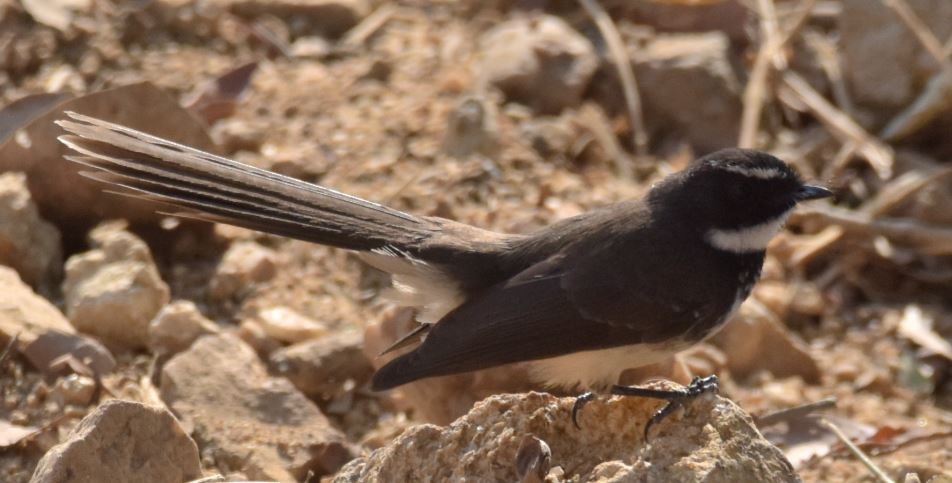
(580,401)
(675,397)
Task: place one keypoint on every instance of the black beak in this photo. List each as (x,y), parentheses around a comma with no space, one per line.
(808,192)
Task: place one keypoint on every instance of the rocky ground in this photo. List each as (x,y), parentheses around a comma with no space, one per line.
(142,347)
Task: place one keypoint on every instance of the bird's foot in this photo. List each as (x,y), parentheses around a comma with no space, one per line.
(675,397)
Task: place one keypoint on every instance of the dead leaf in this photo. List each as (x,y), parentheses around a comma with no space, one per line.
(218,99)
(916,326)
(55,13)
(888,439)
(22,111)
(52,180)
(11,434)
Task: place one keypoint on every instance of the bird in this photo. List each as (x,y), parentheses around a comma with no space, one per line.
(579,300)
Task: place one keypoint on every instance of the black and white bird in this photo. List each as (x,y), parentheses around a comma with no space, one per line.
(583,299)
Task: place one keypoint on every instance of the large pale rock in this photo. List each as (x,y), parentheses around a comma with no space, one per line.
(883,61)
(28,243)
(714,441)
(176,326)
(287,325)
(43,333)
(243,264)
(539,61)
(114,290)
(122,441)
(320,367)
(244,419)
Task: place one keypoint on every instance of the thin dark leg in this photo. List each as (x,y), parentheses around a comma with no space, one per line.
(675,397)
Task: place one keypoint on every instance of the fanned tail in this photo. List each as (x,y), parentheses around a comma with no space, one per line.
(214,188)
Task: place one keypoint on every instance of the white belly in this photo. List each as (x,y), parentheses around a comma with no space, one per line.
(599,368)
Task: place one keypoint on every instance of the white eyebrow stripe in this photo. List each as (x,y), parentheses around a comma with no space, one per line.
(756,172)
(748,239)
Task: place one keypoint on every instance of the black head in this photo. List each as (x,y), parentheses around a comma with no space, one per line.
(735,191)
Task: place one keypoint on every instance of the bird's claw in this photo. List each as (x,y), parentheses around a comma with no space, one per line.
(580,401)
(675,398)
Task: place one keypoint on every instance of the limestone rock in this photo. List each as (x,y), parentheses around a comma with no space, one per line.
(287,325)
(74,389)
(472,128)
(713,441)
(114,290)
(28,243)
(43,333)
(320,367)
(244,263)
(251,332)
(123,441)
(539,61)
(176,326)
(244,419)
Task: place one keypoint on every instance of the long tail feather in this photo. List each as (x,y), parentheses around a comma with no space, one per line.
(218,189)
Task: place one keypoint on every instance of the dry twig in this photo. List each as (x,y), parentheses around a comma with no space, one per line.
(878,154)
(901,188)
(361,32)
(925,239)
(616,49)
(921,30)
(934,100)
(875,470)
(598,125)
(756,89)
(937,96)
(796,412)
(9,348)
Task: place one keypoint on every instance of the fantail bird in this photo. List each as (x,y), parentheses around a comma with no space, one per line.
(583,299)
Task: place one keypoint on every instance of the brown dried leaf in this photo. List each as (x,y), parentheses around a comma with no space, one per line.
(889,439)
(11,434)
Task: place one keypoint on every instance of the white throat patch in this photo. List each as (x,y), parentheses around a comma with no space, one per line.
(748,239)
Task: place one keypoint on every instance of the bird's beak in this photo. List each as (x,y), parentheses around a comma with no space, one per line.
(809,192)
